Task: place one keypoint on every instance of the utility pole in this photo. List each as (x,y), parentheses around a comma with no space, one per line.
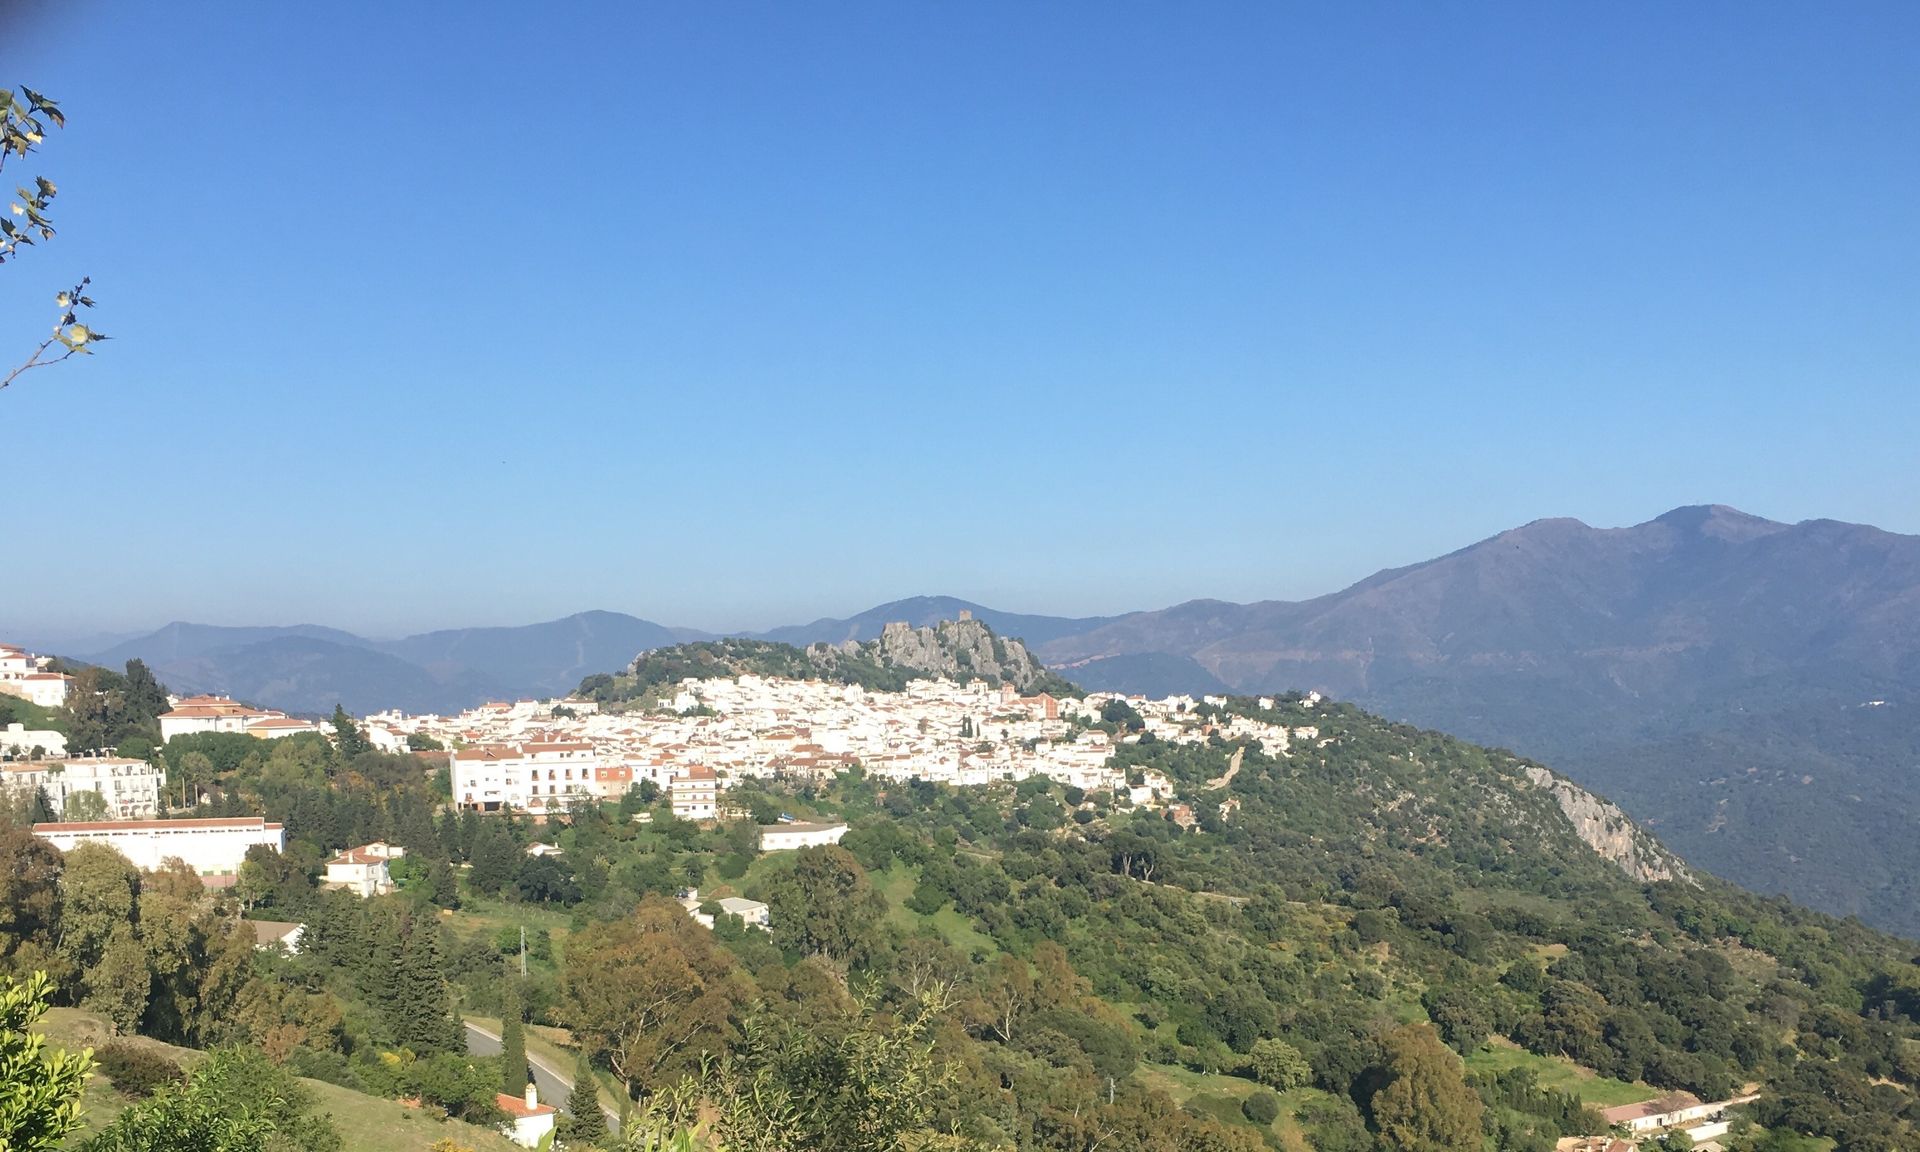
(523,951)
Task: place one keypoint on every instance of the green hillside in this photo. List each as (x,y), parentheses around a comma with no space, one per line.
(363,1123)
(1377,938)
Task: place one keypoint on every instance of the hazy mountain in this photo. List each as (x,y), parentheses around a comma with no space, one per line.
(1686,666)
(182,641)
(302,674)
(923,612)
(538,659)
(1154,674)
(307,668)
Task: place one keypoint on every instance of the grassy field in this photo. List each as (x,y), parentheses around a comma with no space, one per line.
(1562,1075)
(1221,1096)
(365,1123)
(897,883)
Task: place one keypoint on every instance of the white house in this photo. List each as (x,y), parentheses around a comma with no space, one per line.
(20,740)
(363,871)
(25,675)
(128,789)
(213,848)
(277,934)
(528,1120)
(752,913)
(798,834)
(695,793)
(1669,1111)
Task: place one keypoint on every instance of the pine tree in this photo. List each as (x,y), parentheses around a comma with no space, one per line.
(588,1125)
(423,1016)
(513,1041)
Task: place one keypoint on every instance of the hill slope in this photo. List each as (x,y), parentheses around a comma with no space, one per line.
(1657,663)
(959,649)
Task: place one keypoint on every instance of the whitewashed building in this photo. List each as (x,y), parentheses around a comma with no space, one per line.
(195,714)
(798,834)
(20,740)
(363,871)
(214,848)
(696,793)
(25,675)
(128,789)
(528,1121)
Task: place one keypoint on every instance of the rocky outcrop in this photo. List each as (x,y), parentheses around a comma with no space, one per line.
(1609,831)
(956,649)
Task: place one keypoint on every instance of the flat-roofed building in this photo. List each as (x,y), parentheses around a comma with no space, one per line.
(128,789)
(213,848)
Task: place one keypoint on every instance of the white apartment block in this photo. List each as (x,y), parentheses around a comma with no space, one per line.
(128,789)
(25,675)
(695,793)
(214,848)
(539,776)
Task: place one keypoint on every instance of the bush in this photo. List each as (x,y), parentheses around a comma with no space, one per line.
(137,1069)
(1263,1107)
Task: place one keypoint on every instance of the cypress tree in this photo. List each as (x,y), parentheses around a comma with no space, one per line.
(513,1041)
(588,1124)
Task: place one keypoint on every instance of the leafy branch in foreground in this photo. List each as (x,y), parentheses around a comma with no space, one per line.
(39,1087)
(23,121)
(69,333)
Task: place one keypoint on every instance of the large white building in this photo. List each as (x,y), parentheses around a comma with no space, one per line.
(539,776)
(25,675)
(20,740)
(219,714)
(214,848)
(128,789)
(797,834)
(696,793)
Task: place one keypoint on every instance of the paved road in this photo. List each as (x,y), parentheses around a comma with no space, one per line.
(553,1084)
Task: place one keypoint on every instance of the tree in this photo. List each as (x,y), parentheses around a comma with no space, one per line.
(1424,1103)
(39,1088)
(825,905)
(495,859)
(84,804)
(586,1124)
(347,737)
(513,1040)
(1278,1064)
(422,1010)
(1263,1107)
(649,993)
(30,903)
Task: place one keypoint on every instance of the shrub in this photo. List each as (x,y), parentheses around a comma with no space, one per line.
(1263,1107)
(137,1069)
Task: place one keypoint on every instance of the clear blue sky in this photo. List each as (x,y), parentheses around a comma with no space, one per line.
(732,315)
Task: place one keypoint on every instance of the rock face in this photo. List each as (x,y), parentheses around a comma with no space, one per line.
(1609,831)
(957,649)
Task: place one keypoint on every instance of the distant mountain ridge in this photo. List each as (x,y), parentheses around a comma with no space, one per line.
(1714,672)
(1749,688)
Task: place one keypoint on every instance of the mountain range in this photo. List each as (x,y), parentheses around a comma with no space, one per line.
(1743,686)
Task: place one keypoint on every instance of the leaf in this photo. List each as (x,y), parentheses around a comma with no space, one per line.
(46,187)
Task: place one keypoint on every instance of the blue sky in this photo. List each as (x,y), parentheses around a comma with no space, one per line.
(733,315)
